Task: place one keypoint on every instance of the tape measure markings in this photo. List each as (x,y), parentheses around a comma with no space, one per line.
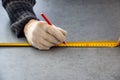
(68,44)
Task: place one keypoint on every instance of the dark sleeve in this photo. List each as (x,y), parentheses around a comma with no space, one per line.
(19,12)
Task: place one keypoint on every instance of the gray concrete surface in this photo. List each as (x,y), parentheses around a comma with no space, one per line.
(84,20)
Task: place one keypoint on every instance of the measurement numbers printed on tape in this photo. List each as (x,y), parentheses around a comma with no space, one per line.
(86,44)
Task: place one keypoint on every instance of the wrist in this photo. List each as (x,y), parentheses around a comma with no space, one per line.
(28,25)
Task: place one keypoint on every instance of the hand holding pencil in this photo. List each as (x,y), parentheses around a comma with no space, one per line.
(42,35)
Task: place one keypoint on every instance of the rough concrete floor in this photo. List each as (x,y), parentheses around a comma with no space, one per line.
(83,20)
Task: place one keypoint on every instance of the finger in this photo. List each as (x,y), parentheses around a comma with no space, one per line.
(41,47)
(63,31)
(51,39)
(36,44)
(45,42)
(56,33)
(46,36)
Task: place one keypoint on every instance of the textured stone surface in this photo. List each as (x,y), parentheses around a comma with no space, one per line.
(84,20)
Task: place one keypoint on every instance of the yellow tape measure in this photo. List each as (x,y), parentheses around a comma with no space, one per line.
(103,44)
(90,44)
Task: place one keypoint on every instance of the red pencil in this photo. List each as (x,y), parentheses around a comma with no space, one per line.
(46,19)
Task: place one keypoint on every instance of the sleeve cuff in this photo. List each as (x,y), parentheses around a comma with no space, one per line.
(18,26)
(19,12)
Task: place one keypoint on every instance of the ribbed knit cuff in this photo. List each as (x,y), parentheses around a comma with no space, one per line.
(20,12)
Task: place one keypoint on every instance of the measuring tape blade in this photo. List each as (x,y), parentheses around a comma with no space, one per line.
(90,44)
(68,44)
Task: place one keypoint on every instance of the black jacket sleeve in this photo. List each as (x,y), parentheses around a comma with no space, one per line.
(19,12)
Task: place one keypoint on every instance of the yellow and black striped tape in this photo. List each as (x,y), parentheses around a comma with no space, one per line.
(103,44)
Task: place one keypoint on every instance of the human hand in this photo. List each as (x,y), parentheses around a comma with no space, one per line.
(43,36)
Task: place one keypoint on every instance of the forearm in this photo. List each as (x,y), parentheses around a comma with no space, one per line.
(19,12)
